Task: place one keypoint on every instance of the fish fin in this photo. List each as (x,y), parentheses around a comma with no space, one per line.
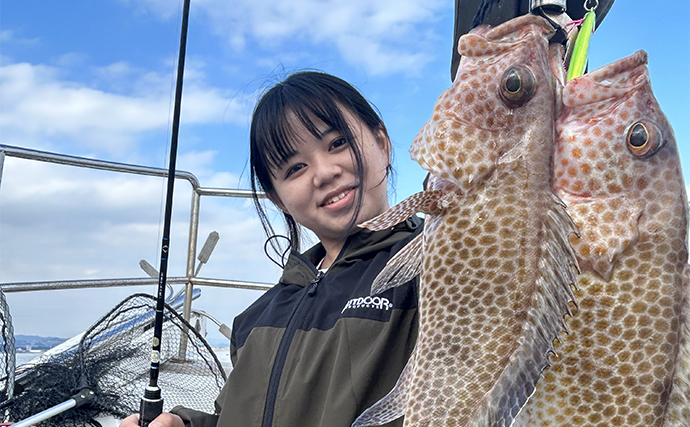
(678,413)
(393,405)
(546,320)
(425,201)
(604,238)
(402,267)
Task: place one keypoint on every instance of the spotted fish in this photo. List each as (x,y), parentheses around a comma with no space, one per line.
(495,261)
(626,359)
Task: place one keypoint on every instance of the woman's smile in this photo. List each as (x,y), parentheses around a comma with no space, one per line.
(342,199)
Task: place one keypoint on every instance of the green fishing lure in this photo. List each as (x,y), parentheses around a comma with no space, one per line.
(578,61)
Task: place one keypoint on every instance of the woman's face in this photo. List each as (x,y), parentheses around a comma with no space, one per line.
(318,183)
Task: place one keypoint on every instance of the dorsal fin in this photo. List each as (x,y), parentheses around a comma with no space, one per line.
(678,413)
(545,322)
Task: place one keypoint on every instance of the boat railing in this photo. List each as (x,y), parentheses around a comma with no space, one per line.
(197,192)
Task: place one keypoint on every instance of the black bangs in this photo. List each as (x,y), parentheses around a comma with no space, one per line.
(277,136)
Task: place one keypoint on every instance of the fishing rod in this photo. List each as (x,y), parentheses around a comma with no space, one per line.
(152,402)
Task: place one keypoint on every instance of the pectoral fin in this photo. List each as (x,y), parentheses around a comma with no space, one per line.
(402,267)
(425,201)
(393,405)
(607,228)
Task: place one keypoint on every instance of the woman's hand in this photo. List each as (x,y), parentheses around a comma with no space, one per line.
(165,419)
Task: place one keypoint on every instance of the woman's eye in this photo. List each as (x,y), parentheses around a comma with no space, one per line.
(294,169)
(338,143)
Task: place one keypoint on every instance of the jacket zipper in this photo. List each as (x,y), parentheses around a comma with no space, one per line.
(283,347)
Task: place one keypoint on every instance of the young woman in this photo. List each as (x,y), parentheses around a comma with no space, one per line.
(317,349)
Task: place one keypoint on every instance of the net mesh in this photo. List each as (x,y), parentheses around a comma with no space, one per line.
(113,359)
(7,350)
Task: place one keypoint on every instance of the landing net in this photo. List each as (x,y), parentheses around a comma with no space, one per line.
(7,351)
(113,359)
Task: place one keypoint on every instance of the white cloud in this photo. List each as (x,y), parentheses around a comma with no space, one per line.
(38,104)
(7,36)
(384,36)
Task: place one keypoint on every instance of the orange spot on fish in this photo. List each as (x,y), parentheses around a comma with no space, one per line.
(614,188)
(564,162)
(576,153)
(627,181)
(572,171)
(588,142)
(585,168)
(596,132)
(624,115)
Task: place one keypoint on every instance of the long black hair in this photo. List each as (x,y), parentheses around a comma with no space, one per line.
(272,137)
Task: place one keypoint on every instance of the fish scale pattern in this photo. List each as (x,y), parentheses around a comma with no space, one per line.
(626,359)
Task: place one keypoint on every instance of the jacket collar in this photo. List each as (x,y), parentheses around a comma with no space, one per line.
(300,268)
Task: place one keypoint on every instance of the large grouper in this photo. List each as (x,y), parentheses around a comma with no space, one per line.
(495,260)
(626,359)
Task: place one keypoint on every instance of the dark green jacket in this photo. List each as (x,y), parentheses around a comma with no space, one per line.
(317,351)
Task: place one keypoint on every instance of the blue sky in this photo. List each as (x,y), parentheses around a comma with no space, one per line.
(95,79)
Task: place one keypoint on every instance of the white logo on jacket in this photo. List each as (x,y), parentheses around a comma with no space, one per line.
(377,303)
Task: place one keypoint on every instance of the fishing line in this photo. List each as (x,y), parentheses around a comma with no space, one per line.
(152,402)
(168,136)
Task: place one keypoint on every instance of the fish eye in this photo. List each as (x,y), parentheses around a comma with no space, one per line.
(644,139)
(517,86)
